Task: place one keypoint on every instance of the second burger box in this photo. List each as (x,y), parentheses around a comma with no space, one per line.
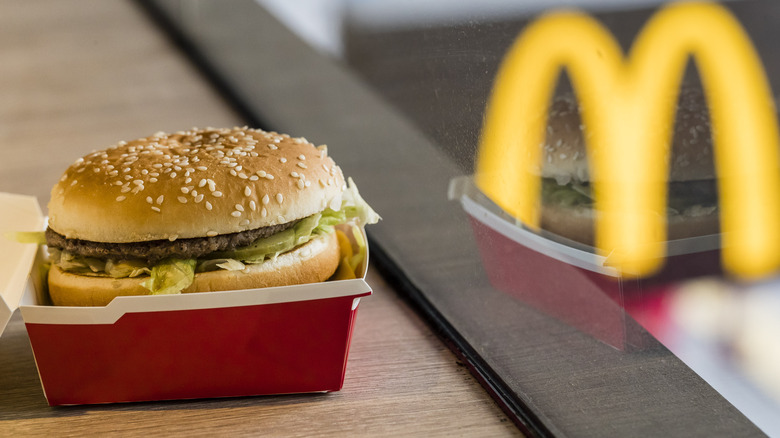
(290,339)
(569,281)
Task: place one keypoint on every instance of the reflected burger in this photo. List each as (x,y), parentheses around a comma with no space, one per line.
(568,206)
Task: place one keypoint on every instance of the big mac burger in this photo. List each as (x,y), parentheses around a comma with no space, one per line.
(567,204)
(197,211)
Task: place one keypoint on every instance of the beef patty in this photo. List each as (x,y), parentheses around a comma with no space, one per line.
(155,250)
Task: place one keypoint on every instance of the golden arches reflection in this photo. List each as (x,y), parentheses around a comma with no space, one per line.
(628,109)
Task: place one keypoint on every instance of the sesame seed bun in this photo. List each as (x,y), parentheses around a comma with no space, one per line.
(565,161)
(313,262)
(188,196)
(190,184)
(564,150)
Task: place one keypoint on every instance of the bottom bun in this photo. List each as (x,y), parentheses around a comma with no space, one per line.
(577,224)
(312,262)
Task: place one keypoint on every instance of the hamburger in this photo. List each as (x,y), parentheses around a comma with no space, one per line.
(197,211)
(567,204)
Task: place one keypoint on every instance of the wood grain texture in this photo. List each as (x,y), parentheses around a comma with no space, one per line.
(80,75)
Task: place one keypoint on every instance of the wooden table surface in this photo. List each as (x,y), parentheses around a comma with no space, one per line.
(80,75)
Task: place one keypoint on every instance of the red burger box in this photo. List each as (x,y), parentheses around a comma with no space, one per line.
(279,340)
(570,282)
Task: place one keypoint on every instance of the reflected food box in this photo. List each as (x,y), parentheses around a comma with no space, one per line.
(570,281)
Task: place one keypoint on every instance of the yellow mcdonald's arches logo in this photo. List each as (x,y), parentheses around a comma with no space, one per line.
(627,107)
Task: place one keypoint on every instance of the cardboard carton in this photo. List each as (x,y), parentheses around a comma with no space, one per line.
(289,339)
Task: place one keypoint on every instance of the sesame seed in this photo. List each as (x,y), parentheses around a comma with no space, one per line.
(252,205)
(264,213)
(211,233)
(242,175)
(261,173)
(247,191)
(294,174)
(212,185)
(302,165)
(233,172)
(279,198)
(239,207)
(125,189)
(217,194)
(307,184)
(157,209)
(173,237)
(182,199)
(120,198)
(282,160)
(149,199)
(73,183)
(301,157)
(301,184)
(188,180)
(194,193)
(244,222)
(173,175)
(269,176)
(273,147)
(253,178)
(202,182)
(154,180)
(266,199)
(236,213)
(198,198)
(208,205)
(202,168)
(185,190)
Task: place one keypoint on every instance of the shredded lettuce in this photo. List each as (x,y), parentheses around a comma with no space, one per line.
(217,264)
(231,265)
(356,208)
(568,195)
(170,276)
(126,268)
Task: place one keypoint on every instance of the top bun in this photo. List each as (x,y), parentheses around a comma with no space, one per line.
(565,158)
(196,183)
